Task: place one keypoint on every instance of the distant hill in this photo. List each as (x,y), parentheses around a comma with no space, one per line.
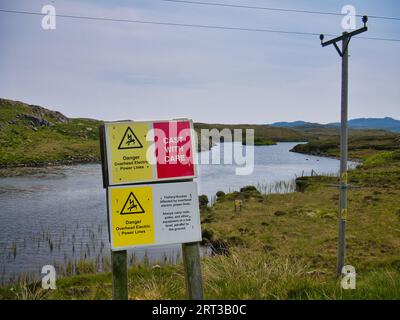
(295,124)
(387,123)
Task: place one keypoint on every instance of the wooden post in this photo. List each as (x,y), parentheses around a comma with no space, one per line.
(119,275)
(103,152)
(119,263)
(191,261)
(238,205)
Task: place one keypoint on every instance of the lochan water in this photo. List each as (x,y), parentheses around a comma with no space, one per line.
(60,216)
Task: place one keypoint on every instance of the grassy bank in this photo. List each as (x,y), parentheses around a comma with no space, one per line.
(263,134)
(362,143)
(242,275)
(238,276)
(279,246)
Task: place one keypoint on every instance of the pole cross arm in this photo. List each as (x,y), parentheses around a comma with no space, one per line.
(345,35)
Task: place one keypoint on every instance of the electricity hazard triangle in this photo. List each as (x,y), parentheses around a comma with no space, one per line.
(132,205)
(129,140)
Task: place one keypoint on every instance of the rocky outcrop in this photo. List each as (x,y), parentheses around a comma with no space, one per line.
(38,116)
(42,113)
(35,121)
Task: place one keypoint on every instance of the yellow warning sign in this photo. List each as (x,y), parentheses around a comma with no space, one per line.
(127,148)
(344,177)
(344,214)
(131,217)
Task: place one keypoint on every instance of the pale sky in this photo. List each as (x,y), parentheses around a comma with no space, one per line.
(116,70)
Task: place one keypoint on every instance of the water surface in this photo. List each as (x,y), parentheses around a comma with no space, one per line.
(60,216)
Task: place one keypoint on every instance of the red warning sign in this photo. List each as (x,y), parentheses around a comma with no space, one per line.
(174,149)
(149,151)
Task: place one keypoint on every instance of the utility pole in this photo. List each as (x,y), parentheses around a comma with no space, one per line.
(342,216)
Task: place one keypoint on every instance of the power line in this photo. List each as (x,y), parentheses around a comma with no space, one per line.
(379,39)
(166,23)
(217,4)
(186,25)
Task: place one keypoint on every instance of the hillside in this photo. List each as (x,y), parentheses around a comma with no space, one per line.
(35,136)
(362,143)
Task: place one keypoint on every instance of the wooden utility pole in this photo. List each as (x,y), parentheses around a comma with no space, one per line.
(342,216)
(191,261)
(343,155)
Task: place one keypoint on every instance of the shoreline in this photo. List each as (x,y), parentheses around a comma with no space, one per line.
(15,170)
(20,169)
(317,154)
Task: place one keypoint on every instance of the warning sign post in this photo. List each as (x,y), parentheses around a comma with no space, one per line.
(141,212)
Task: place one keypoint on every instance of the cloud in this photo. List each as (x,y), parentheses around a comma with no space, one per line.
(113,70)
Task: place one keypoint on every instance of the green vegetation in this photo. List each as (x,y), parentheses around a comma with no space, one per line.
(238,276)
(382,158)
(36,136)
(362,143)
(279,246)
(203,201)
